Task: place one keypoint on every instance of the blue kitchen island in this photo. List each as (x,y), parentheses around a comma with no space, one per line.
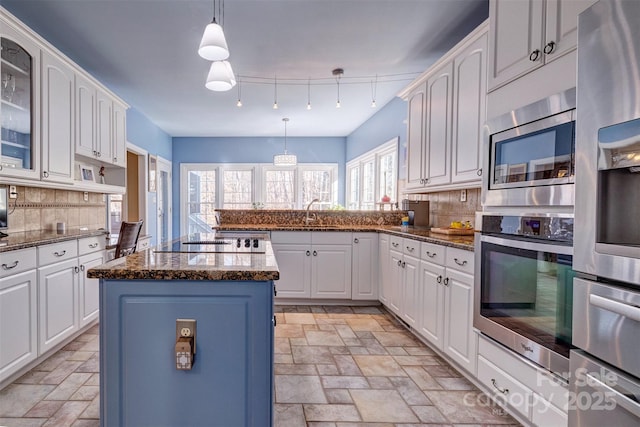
(230,296)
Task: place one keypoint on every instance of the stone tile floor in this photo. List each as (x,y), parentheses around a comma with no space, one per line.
(335,366)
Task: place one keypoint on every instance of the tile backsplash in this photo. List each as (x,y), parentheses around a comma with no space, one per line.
(43,208)
(445,206)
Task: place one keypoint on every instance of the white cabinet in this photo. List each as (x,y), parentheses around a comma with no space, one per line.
(431,297)
(57,303)
(364,266)
(313,264)
(460,341)
(144,243)
(402,288)
(18,318)
(447,108)
(104,126)
(384,271)
(58,101)
(88,295)
(86,140)
(119,147)
(526,34)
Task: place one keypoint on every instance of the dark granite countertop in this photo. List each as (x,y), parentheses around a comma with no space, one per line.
(421,234)
(151,265)
(28,239)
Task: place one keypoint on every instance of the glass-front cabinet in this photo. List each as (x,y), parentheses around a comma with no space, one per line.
(19,92)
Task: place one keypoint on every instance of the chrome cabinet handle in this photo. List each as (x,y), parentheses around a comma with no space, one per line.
(115,160)
(9,267)
(45,174)
(59,254)
(399,263)
(446,281)
(439,279)
(308,253)
(534,55)
(76,269)
(410,249)
(82,267)
(431,254)
(463,263)
(95,153)
(93,245)
(479,172)
(356,240)
(404,264)
(394,244)
(315,253)
(549,47)
(504,391)
(99,154)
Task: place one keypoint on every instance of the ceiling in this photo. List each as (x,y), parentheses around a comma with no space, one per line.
(146,52)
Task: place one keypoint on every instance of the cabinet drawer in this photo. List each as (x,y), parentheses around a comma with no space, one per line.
(143,244)
(331,237)
(506,388)
(460,259)
(14,262)
(87,245)
(433,253)
(411,247)
(48,254)
(295,237)
(395,243)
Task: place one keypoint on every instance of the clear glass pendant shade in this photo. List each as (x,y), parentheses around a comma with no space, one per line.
(220,77)
(285,159)
(213,46)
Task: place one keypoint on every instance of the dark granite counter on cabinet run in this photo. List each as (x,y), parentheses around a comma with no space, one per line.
(421,234)
(28,239)
(151,265)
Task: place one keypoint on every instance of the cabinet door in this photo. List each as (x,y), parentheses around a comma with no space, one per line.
(460,342)
(57,303)
(20,104)
(431,297)
(294,262)
(364,266)
(57,120)
(438,125)
(384,267)
(561,27)
(18,322)
(410,278)
(119,154)
(415,140)
(469,113)
(331,271)
(515,39)
(394,297)
(89,288)
(85,117)
(104,128)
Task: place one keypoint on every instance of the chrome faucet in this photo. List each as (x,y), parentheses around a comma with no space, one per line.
(308,219)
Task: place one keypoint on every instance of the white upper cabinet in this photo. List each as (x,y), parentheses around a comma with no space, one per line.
(447,109)
(19,104)
(58,101)
(526,34)
(119,143)
(104,127)
(85,117)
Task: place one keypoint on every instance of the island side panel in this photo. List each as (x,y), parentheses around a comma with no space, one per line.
(231,381)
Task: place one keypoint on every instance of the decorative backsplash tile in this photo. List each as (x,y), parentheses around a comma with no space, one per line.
(42,208)
(445,206)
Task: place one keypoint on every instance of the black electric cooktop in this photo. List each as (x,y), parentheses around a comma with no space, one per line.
(216,243)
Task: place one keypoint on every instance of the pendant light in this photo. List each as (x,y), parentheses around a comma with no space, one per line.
(220,76)
(338,72)
(213,46)
(285,159)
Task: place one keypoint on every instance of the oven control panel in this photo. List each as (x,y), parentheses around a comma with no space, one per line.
(540,227)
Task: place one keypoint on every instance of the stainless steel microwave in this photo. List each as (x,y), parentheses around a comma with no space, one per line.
(529,155)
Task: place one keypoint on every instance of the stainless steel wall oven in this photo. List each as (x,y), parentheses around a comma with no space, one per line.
(529,155)
(524,284)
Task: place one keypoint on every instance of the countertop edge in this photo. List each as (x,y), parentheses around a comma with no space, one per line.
(50,236)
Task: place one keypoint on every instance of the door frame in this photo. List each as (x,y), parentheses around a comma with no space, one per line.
(164,165)
(143,176)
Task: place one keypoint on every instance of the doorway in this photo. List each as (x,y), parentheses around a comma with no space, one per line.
(164,201)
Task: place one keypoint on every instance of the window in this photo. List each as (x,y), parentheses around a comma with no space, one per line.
(114,213)
(207,187)
(372,176)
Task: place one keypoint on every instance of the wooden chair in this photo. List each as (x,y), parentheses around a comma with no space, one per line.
(128,238)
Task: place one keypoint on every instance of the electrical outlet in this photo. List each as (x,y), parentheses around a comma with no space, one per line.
(463,195)
(85,196)
(13,192)
(186,328)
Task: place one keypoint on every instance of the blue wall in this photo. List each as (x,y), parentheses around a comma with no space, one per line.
(389,122)
(142,133)
(252,150)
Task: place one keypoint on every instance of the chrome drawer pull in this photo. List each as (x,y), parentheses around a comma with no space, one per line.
(439,279)
(495,384)
(621,309)
(410,249)
(446,281)
(9,267)
(463,263)
(431,254)
(93,245)
(58,254)
(394,244)
(308,253)
(356,240)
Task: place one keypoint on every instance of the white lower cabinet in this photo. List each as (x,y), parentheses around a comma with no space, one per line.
(384,271)
(364,270)
(89,294)
(18,320)
(431,298)
(313,264)
(526,390)
(394,288)
(57,303)
(460,342)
